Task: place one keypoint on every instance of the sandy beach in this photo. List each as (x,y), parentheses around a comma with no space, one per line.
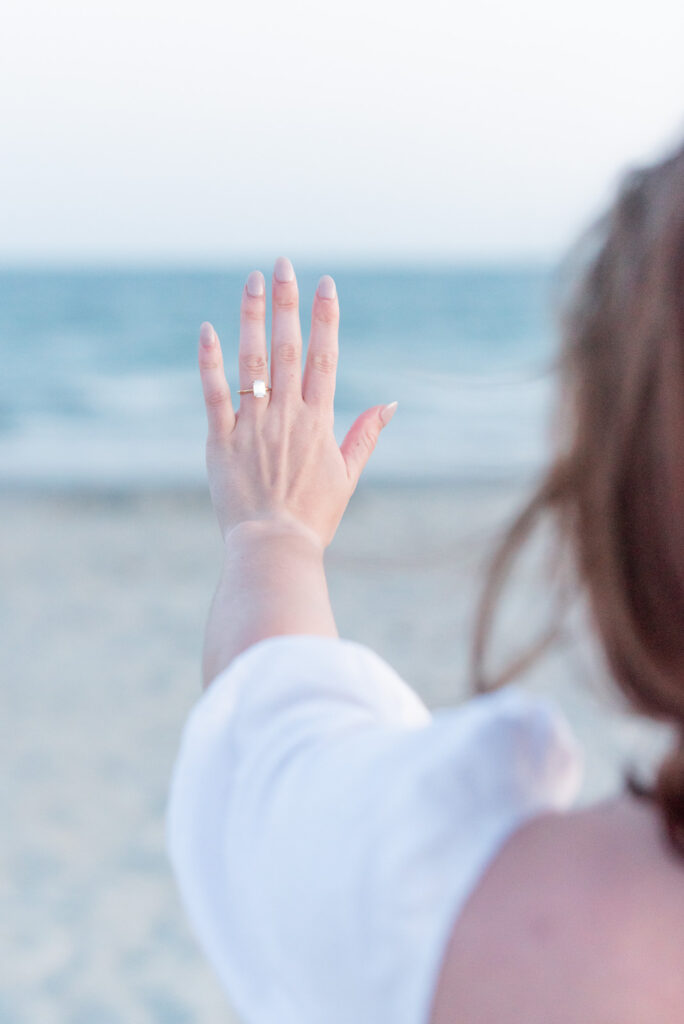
(103,603)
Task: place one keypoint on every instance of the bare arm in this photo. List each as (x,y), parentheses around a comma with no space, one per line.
(279,481)
(272,583)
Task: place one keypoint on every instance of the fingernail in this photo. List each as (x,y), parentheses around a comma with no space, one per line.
(326,287)
(387,412)
(283,270)
(255,283)
(207,334)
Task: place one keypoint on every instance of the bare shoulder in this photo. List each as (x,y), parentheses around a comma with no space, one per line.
(579,918)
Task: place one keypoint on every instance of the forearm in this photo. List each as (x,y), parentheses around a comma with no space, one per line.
(272,583)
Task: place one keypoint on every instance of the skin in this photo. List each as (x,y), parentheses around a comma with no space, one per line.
(579,918)
(279,481)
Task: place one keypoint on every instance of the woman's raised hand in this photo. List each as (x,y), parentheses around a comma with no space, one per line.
(276,458)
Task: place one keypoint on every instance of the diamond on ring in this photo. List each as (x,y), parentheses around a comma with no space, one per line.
(259,388)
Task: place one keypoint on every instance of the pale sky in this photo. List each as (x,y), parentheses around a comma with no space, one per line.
(202,131)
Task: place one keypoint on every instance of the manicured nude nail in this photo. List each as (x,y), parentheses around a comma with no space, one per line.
(255,283)
(326,287)
(387,412)
(207,334)
(283,270)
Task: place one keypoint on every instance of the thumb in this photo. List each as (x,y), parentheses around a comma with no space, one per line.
(362,438)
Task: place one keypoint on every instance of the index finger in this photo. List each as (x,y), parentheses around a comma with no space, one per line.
(318,386)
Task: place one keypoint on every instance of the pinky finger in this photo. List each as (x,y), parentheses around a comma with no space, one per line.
(220,414)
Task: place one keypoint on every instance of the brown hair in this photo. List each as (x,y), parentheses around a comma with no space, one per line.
(615,486)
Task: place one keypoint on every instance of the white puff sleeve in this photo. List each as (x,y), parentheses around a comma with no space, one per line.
(325,829)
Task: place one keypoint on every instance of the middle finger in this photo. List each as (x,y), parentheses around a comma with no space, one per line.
(286,335)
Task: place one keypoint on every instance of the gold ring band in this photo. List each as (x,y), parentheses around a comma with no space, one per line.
(258,389)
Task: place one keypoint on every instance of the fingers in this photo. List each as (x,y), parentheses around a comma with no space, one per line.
(320,372)
(286,335)
(220,415)
(253,353)
(362,437)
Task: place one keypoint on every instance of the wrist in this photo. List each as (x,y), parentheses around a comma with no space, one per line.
(276,528)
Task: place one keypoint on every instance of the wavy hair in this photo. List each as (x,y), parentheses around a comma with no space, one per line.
(614,488)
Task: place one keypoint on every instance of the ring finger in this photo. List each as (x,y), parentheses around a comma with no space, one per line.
(286,336)
(253,353)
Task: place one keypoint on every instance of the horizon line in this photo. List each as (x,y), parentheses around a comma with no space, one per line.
(306,263)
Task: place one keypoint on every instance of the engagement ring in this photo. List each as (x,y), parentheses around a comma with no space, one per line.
(258,389)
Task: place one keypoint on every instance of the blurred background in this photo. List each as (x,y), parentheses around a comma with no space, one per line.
(438,160)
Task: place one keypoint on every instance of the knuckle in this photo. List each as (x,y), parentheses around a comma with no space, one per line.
(327,312)
(288,352)
(252,362)
(288,301)
(215,397)
(209,363)
(253,312)
(324,362)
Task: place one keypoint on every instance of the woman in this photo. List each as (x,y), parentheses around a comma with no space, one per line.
(343,855)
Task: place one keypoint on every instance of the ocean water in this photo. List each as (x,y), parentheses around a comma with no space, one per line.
(99,385)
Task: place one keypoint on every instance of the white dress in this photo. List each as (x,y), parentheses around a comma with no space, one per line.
(325,828)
